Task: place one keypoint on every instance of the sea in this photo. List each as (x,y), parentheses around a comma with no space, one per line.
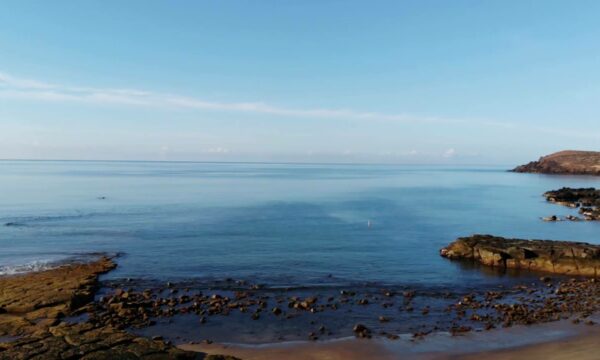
(277,224)
(294,230)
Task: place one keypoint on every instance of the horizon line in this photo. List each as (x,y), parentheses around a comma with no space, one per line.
(247,162)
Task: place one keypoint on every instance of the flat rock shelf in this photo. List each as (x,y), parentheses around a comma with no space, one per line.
(558,257)
(34,307)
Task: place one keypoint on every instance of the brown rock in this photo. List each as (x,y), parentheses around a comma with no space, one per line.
(361,331)
(586,199)
(36,303)
(560,257)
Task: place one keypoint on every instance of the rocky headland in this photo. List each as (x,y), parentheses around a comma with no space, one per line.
(565,162)
(558,257)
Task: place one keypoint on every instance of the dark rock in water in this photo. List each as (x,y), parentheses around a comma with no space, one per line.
(459,330)
(361,331)
(551,218)
(561,257)
(363,302)
(565,162)
(392,336)
(586,199)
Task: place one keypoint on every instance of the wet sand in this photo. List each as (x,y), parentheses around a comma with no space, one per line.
(556,341)
(579,348)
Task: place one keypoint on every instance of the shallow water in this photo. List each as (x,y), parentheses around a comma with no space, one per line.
(280,224)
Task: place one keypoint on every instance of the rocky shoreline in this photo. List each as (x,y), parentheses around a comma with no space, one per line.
(59,314)
(558,257)
(33,317)
(564,162)
(587,200)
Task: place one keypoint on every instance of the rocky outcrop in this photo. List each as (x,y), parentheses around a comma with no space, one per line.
(565,162)
(86,341)
(587,200)
(47,295)
(33,307)
(560,257)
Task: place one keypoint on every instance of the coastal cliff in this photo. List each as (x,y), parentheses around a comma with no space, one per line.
(559,257)
(564,162)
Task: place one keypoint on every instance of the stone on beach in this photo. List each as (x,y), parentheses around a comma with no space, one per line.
(361,331)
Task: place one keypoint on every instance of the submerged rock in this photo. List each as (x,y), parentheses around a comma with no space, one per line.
(561,257)
(551,218)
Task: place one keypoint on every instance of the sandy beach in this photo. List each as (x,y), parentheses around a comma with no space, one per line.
(555,341)
(580,348)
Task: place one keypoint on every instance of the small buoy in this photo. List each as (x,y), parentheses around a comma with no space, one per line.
(369,223)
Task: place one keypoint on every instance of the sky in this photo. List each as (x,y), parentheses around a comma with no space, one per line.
(407,82)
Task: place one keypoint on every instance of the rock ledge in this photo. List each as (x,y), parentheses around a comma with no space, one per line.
(33,309)
(559,257)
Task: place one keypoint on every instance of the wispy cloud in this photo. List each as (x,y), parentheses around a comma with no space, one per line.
(26,89)
(13,87)
(449,153)
(11,81)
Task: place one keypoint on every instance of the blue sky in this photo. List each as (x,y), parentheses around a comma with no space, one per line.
(482,82)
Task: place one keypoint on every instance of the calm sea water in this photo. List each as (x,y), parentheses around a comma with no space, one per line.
(281,224)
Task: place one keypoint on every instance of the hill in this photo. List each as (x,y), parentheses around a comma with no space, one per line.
(565,162)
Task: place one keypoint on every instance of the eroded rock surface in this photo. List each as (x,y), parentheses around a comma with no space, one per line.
(32,309)
(565,162)
(560,257)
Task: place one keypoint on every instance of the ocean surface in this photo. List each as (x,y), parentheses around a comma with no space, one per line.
(278,224)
